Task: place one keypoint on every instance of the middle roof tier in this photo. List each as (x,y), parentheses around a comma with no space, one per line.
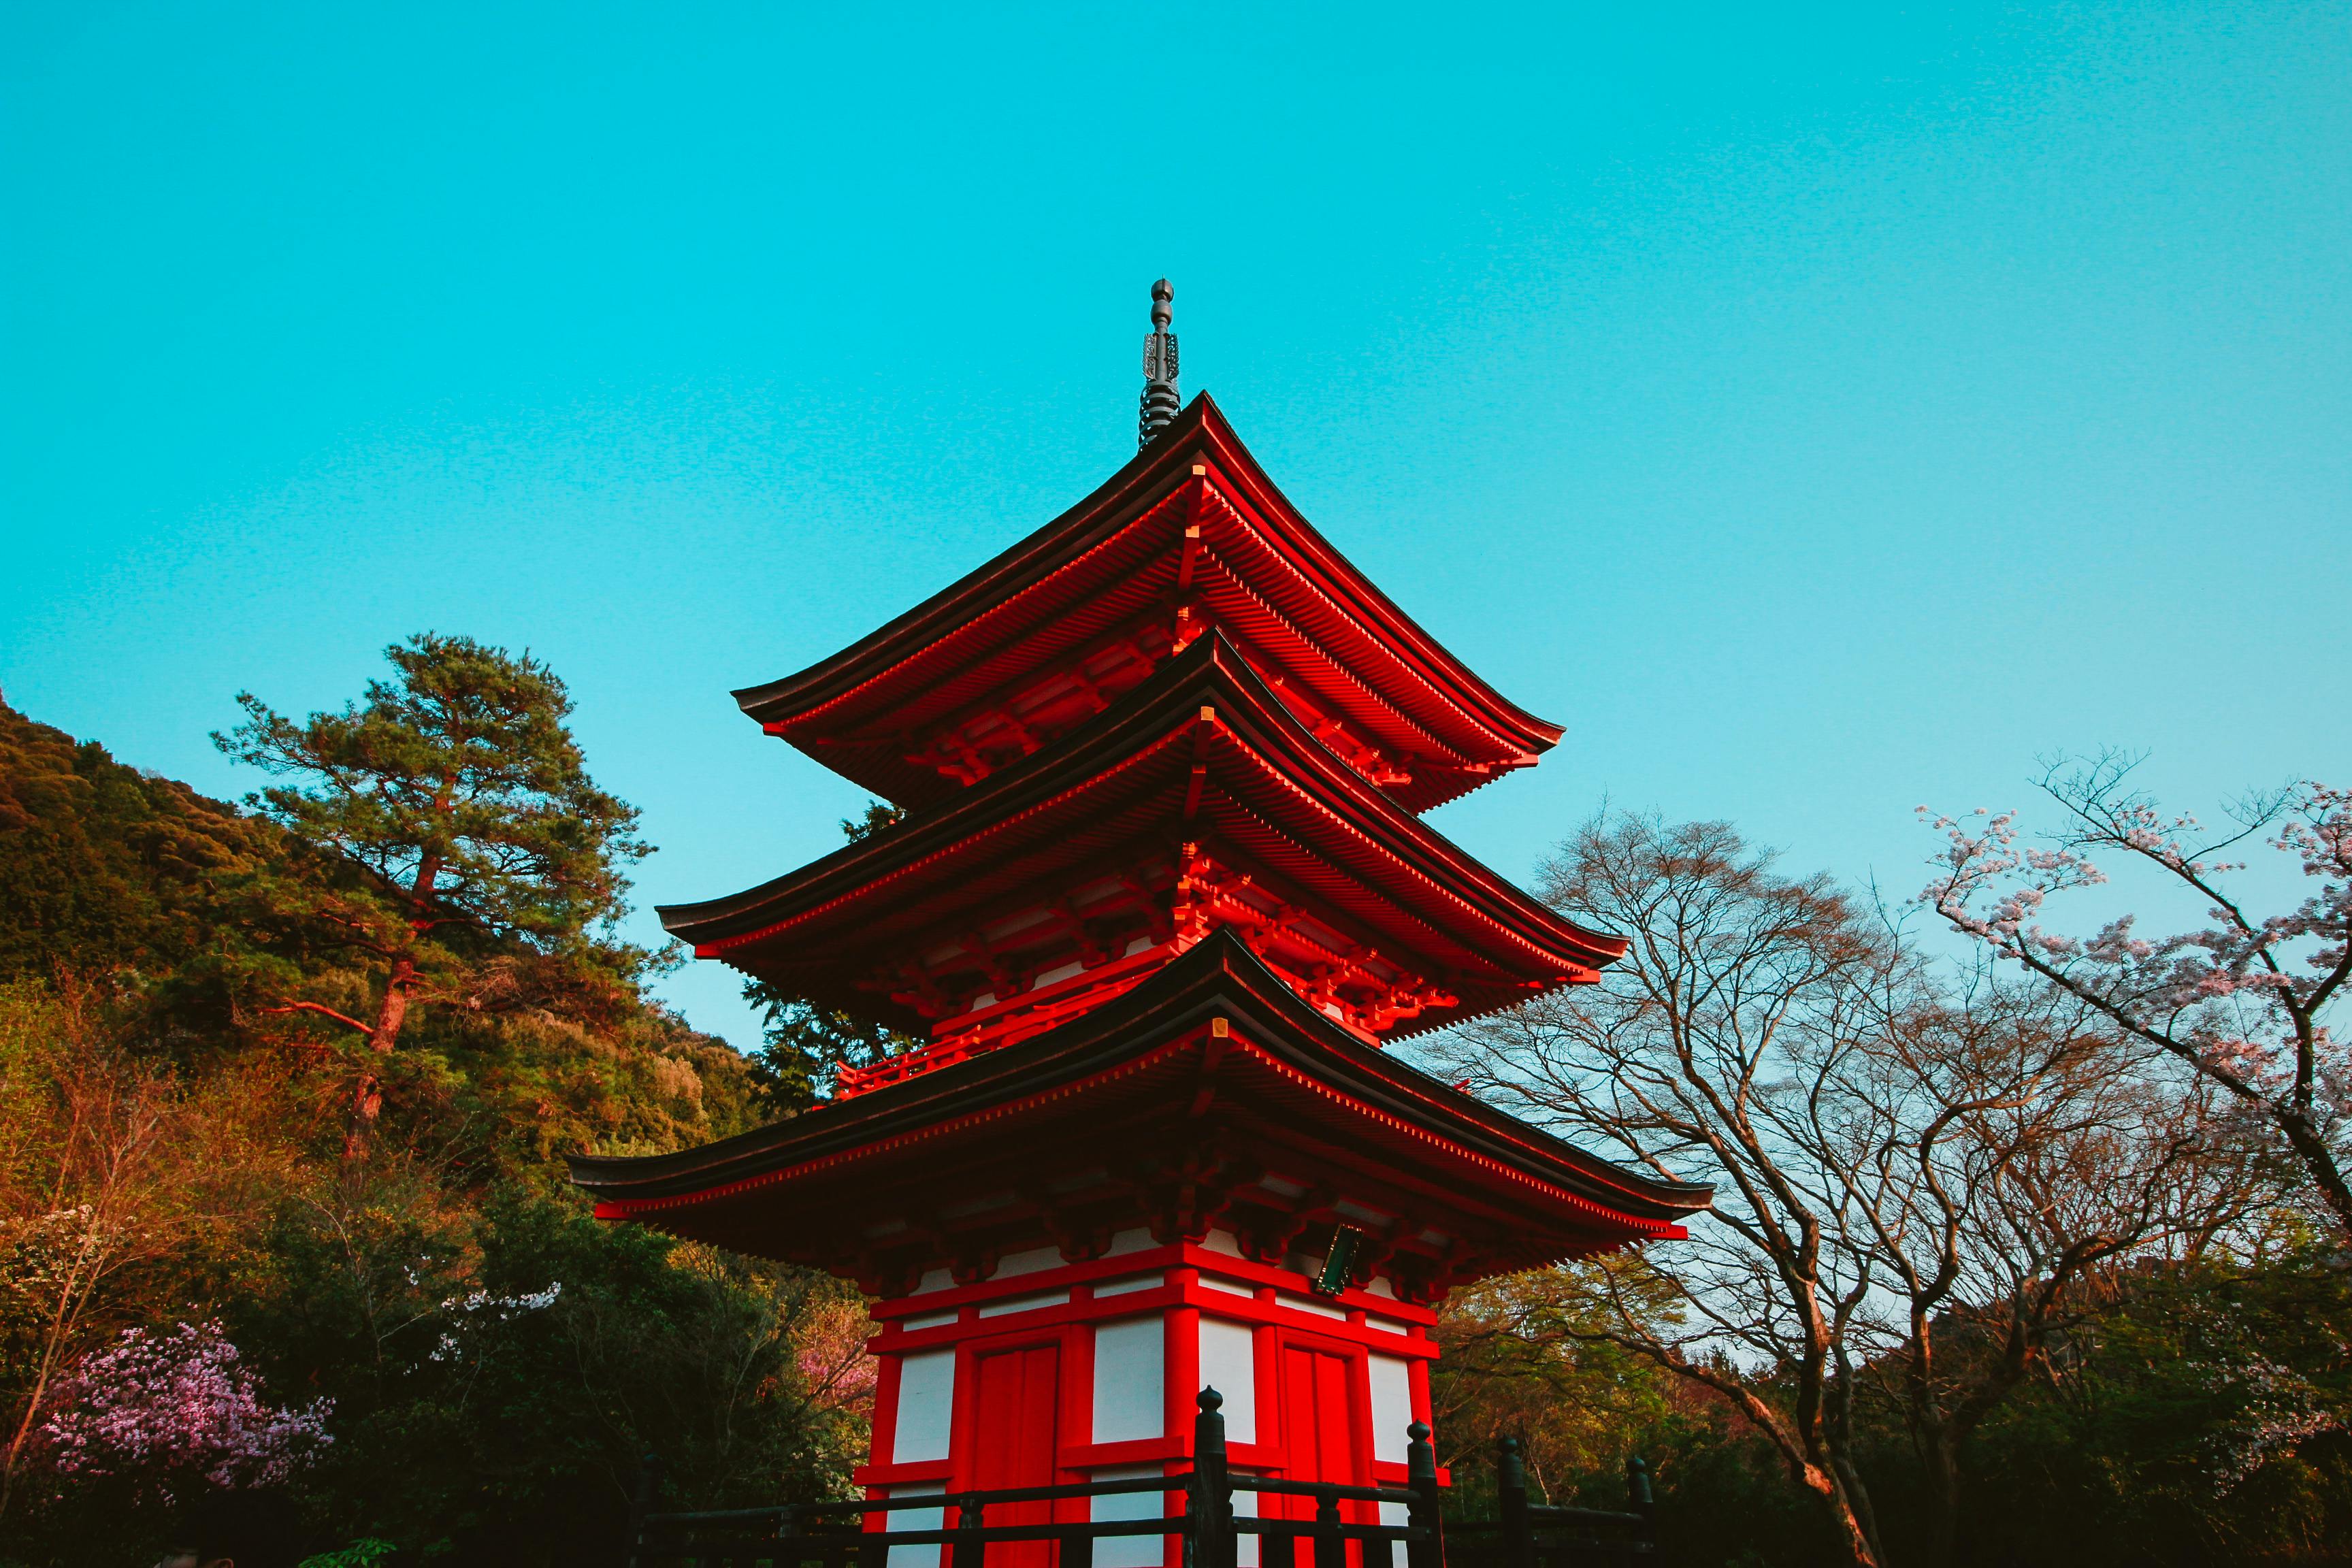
(1197,800)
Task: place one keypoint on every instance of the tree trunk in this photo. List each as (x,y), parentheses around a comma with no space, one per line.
(2318,1160)
(1939,1449)
(1854,1535)
(1856,1500)
(367,1095)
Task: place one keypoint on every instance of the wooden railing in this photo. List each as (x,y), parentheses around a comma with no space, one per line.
(1535,1535)
(1208,1530)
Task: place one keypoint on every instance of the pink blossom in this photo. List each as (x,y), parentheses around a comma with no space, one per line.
(2242,1000)
(154,1405)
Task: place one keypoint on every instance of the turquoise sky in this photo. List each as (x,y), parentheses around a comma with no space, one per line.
(1819,412)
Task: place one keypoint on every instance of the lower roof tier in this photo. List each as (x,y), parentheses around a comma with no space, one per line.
(1209,1096)
(1198,801)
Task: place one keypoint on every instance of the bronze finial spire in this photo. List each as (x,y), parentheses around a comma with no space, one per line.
(1160,402)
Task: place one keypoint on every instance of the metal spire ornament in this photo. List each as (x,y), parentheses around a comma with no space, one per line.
(1160,402)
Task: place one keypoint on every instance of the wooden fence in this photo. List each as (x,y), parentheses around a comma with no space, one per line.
(1206,1526)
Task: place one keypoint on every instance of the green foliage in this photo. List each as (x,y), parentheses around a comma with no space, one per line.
(498,1360)
(1521,1360)
(501,1374)
(2201,1415)
(363,1554)
(103,868)
(449,840)
(458,789)
(2205,1416)
(877,816)
(804,1045)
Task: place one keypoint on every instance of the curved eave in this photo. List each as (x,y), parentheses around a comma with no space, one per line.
(1341,578)
(1219,978)
(1202,431)
(1210,673)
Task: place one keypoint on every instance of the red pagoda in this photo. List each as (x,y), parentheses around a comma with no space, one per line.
(1160,899)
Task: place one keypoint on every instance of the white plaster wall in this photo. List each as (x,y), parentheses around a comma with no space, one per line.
(1131,1379)
(916,1519)
(1391,1408)
(925,1407)
(1128,1551)
(1229,1365)
(1035,1260)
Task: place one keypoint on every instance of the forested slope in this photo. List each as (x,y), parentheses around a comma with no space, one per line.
(486,1363)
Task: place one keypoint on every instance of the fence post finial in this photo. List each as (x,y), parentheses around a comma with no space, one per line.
(1211,1502)
(1424,1547)
(1638,1495)
(1511,1505)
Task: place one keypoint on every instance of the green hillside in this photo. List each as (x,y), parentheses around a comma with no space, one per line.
(173,1135)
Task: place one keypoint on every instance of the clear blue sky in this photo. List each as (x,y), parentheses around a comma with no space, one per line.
(1819,412)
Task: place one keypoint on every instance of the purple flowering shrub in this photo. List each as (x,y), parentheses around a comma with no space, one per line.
(183,1402)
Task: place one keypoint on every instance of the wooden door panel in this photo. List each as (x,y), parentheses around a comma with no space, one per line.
(1319,1425)
(1017,1395)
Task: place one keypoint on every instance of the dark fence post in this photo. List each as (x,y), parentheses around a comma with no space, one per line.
(1211,1502)
(1640,1498)
(1511,1505)
(1330,1544)
(969,1550)
(1425,1547)
(642,1504)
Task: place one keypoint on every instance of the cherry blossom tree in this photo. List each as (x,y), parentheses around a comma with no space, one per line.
(829,1349)
(2244,1001)
(163,1407)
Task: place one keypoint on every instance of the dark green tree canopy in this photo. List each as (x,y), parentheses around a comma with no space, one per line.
(805,1045)
(459,787)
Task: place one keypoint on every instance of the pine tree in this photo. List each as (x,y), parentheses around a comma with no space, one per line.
(458,799)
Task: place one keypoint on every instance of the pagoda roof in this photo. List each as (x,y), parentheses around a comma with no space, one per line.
(1201,752)
(1214,1051)
(1191,518)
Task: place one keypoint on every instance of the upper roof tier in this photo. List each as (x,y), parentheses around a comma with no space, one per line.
(1190,536)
